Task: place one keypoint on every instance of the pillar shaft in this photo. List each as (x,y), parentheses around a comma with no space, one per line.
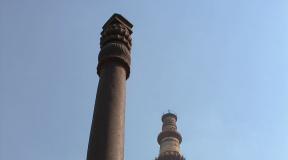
(107,131)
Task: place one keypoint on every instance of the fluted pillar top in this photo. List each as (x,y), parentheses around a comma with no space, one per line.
(115,43)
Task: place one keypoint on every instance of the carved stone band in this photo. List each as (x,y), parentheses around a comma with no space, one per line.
(116,33)
(114,53)
(168,133)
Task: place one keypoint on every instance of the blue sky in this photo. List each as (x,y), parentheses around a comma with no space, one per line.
(221,65)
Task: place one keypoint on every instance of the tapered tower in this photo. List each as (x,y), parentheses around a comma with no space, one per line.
(169,139)
(106,140)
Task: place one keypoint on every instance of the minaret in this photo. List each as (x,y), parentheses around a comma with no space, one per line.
(106,140)
(169,139)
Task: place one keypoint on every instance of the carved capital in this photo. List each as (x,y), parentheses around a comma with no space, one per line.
(115,43)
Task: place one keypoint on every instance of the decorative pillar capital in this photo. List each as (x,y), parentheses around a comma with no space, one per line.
(115,43)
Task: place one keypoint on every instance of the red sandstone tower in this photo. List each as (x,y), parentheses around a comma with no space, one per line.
(106,140)
(169,139)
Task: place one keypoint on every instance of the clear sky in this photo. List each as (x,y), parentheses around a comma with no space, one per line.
(221,65)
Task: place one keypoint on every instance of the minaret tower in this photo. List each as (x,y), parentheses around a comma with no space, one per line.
(107,131)
(169,139)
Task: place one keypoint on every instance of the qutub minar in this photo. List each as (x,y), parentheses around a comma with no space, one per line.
(106,140)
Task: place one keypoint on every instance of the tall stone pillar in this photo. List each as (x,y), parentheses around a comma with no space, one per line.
(107,131)
(169,139)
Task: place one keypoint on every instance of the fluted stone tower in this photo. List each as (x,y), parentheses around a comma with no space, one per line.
(169,139)
(106,140)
